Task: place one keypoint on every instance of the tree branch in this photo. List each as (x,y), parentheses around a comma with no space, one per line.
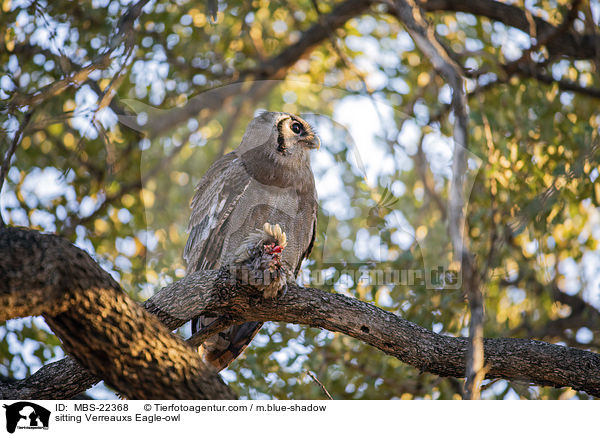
(11,151)
(60,380)
(105,330)
(513,359)
(123,33)
(569,44)
(270,69)
(276,67)
(533,71)
(424,37)
(214,292)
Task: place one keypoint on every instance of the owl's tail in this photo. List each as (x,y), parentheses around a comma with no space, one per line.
(223,348)
(260,253)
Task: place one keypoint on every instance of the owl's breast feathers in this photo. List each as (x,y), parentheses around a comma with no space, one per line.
(234,199)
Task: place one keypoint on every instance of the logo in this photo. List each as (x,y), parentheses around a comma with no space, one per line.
(26,415)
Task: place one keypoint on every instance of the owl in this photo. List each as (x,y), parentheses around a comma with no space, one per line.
(263,189)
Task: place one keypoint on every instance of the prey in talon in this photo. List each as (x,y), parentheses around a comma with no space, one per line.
(258,260)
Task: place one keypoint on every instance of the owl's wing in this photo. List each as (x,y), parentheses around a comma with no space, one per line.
(310,244)
(216,197)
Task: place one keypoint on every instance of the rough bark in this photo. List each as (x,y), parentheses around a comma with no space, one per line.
(213,291)
(60,380)
(509,358)
(66,378)
(106,331)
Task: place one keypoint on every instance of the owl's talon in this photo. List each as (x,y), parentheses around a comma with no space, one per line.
(259,260)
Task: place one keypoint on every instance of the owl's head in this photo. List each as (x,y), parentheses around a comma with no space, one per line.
(275,150)
(284,138)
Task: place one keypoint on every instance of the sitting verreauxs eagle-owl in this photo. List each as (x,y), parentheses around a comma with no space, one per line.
(266,180)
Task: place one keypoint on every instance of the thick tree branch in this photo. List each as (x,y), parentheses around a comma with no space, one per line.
(213,291)
(99,324)
(60,380)
(513,359)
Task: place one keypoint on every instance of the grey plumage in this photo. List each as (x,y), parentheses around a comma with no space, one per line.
(267,179)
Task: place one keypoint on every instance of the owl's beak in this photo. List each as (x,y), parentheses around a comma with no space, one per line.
(314,144)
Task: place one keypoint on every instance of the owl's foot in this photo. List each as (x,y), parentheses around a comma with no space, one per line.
(258,260)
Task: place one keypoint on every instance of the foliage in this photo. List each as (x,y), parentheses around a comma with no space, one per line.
(122,193)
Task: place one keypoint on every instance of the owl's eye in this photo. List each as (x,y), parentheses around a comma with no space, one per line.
(297,128)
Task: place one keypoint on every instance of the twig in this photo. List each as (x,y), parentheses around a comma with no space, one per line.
(314,377)
(564,85)
(123,33)
(124,189)
(409,12)
(59,86)
(11,151)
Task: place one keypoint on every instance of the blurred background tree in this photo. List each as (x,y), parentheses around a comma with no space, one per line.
(113,110)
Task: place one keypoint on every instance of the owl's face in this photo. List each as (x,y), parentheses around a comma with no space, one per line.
(275,150)
(280,138)
(294,135)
